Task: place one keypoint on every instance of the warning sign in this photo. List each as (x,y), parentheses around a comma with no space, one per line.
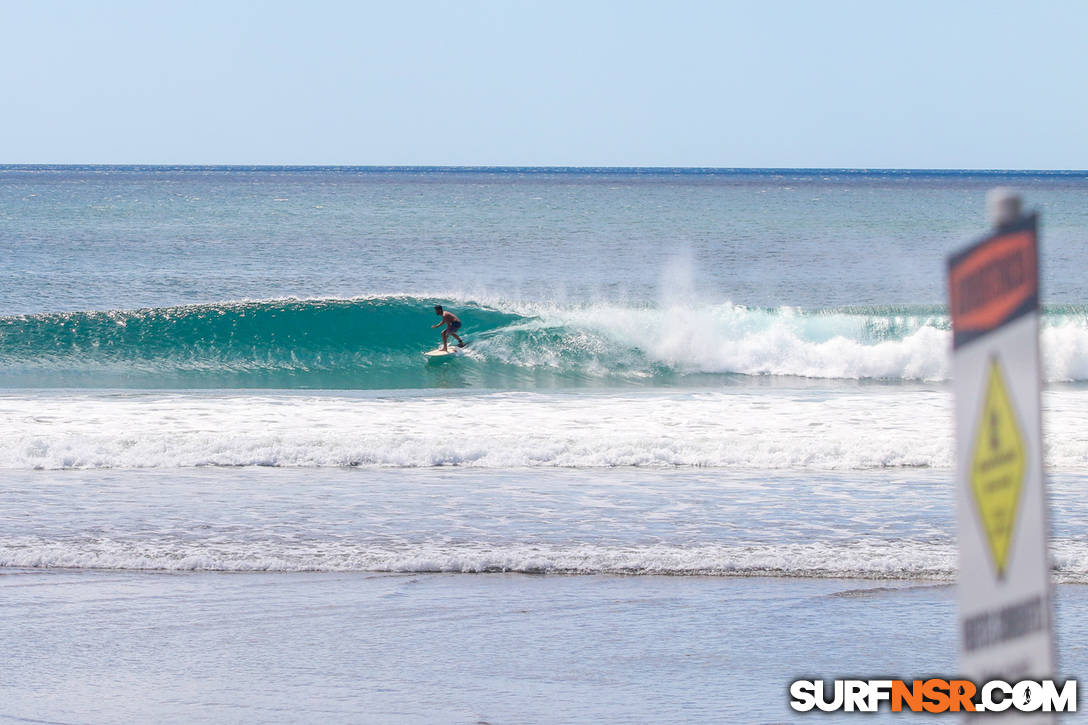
(993,283)
(997,467)
(1005,620)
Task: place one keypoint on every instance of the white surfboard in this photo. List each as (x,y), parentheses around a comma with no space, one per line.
(442,355)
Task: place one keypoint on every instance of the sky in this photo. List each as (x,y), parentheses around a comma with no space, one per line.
(826,83)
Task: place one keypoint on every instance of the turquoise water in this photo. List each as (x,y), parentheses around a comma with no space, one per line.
(375,343)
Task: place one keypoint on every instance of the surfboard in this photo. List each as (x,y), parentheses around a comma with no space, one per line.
(441,355)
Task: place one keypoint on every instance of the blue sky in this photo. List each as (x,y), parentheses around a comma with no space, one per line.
(761,83)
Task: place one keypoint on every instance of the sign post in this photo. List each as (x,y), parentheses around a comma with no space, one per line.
(1005,610)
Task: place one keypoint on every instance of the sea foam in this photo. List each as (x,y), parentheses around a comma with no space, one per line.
(822,559)
(762,429)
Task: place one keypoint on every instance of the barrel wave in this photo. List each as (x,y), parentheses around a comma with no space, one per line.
(375,343)
(334,343)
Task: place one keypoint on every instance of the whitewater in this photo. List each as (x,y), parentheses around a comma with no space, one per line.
(767,428)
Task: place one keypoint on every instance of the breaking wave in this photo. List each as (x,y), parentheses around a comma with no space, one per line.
(376,343)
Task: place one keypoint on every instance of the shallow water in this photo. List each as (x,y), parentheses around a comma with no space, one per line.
(883,524)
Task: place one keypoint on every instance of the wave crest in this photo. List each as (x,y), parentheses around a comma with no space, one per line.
(375,343)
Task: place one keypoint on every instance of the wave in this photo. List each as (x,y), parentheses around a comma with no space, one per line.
(877,560)
(375,343)
(898,560)
(852,428)
(660,429)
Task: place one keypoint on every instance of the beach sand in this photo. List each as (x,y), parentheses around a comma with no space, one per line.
(182,647)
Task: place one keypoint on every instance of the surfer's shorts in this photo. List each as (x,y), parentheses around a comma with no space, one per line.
(455,326)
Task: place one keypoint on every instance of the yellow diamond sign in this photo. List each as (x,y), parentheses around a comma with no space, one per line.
(997,467)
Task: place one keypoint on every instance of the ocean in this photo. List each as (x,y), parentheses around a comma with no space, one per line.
(699,443)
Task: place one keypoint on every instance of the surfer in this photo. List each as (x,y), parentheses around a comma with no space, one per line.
(452,326)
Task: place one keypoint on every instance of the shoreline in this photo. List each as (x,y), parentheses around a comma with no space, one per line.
(121,646)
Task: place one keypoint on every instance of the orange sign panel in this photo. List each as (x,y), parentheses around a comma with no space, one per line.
(993,282)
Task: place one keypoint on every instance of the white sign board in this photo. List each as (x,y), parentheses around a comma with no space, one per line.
(1005,616)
